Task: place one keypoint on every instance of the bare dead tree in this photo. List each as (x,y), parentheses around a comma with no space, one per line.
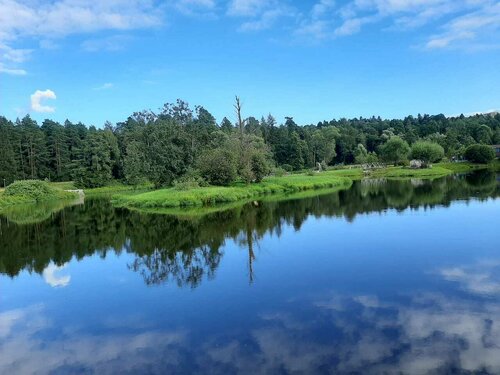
(237,107)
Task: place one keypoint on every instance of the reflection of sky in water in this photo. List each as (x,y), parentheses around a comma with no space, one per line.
(413,291)
(52,276)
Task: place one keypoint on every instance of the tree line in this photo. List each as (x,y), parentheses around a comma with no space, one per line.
(182,145)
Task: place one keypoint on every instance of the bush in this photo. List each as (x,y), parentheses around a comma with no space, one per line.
(188,183)
(35,190)
(260,167)
(279,172)
(429,152)
(218,167)
(287,167)
(478,153)
(395,150)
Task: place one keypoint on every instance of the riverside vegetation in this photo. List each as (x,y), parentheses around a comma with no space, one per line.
(192,160)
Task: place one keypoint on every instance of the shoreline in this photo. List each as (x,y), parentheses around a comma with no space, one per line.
(172,201)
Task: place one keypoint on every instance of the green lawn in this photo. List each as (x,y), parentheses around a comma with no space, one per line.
(206,196)
(403,172)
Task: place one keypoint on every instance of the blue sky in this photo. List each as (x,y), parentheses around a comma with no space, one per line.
(93,61)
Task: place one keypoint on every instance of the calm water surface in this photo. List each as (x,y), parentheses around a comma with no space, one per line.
(387,277)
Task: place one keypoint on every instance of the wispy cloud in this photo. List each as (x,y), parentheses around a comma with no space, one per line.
(12,71)
(469,27)
(36,101)
(111,43)
(259,14)
(196,7)
(454,21)
(59,18)
(105,86)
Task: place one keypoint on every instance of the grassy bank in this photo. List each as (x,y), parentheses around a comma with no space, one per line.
(401,172)
(193,212)
(207,196)
(32,191)
(469,167)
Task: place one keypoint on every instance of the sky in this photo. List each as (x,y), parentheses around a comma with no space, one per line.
(313,60)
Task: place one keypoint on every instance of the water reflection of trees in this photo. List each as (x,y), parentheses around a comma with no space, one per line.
(171,249)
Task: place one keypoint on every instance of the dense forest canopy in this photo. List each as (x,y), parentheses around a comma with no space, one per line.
(179,141)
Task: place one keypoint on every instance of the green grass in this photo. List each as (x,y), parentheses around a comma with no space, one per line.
(32,213)
(117,188)
(354,173)
(193,212)
(462,167)
(32,191)
(404,172)
(209,196)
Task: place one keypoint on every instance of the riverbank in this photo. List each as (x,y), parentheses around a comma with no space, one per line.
(32,191)
(211,196)
(143,197)
(207,196)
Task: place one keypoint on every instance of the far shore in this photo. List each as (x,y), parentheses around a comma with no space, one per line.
(145,198)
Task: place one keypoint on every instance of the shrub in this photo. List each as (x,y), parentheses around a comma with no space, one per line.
(395,150)
(429,152)
(279,172)
(218,167)
(260,167)
(188,183)
(479,153)
(246,173)
(287,167)
(34,190)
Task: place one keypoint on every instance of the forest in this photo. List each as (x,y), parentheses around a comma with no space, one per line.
(179,144)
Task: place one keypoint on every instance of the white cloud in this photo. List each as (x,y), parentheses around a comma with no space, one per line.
(352,26)
(322,8)
(64,17)
(36,99)
(484,22)
(464,23)
(261,14)
(266,19)
(54,280)
(480,278)
(195,7)
(111,44)
(14,55)
(247,8)
(12,71)
(49,20)
(105,86)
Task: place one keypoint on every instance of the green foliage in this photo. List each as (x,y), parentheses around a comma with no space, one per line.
(278,172)
(426,151)
(136,166)
(162,147)
(99,156)
(31,191)
(211,195)
(34,189)
(362,156)
(218,167)
(479,154)
(260,166)
(395,150)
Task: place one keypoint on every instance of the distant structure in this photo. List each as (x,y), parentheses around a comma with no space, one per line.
(496,148)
